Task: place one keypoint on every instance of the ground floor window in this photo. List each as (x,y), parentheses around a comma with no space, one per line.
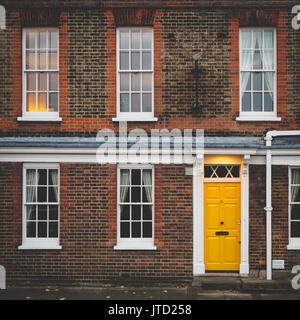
(135,207)
(40,206)
(294,206)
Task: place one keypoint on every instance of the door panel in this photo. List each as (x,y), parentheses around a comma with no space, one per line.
(222,213)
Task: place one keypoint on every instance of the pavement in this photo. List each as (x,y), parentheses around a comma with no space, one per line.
(201,288)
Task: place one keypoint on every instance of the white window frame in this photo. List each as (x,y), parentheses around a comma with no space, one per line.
(133,116)
(38,243)
(256,115)
(134,243)
(294,243)
(37,116)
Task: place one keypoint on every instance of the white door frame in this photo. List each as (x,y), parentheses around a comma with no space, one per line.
(198,217)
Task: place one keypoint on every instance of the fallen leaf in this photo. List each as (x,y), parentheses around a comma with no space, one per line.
(107,297)
(122,287)
(62,299)
(150,297)
(126,291)
(145,292)
(56,290)
(47,290)
(133,292)
(28,298)
(165,291)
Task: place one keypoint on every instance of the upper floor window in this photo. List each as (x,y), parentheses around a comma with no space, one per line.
(258,74)
(135,74)
(40,74)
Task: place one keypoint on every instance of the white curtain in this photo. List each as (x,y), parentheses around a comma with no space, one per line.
(268,60)
(124,182)
(246,59)
(30,192)
(147,181)
(54,177)
(295,179)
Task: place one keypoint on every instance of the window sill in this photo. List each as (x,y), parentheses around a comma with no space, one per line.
(134,247)
(258,118)
(36,119)
(39,247)
(293,247)
(136,119)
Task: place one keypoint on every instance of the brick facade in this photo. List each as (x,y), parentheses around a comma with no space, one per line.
(88,226)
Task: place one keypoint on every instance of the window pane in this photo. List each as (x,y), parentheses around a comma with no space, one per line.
(125,230)
(42,81)
(257,81)
(124,190)
(295,211)
(147,63)
(295,190)
(257,38)
(268,81)
(30,39)
(30,60)
(30,212)
(42,212)
(31,102)
(42,102)
(30,194)
(235,171)
(42,229)
(53,177)
(246,40)
(147,212)
(147,39)
(136,213)
(124,81)
(135,39)
(53,212)
(31,81)
(124,102)
(136,229)
(147,229)
(147,81)
(53,194)
(42,36)
(53,39)
(135,102)
(124,39)
(269,39)
(246,102)
(295,229)
(52,60)
(42,177)
(124,181)
(246,81)
(147,194)
(30,177)
(147,102)
(257,102)
(53,102)
(31,229)
(268,101)
(135,194)
(53,81)
(135,81)
(246,60)
(124,60)
(135,61)
(42,60)
(125,212)
(257,60)
(268,60)
(42,194)
(53,229)
(136,177)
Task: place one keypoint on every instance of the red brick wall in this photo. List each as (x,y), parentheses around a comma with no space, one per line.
(88,74)
(88,230)
(280,219)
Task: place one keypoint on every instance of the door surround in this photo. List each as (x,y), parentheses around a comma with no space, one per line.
(198,209)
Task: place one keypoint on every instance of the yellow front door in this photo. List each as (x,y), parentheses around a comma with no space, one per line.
(222,212)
